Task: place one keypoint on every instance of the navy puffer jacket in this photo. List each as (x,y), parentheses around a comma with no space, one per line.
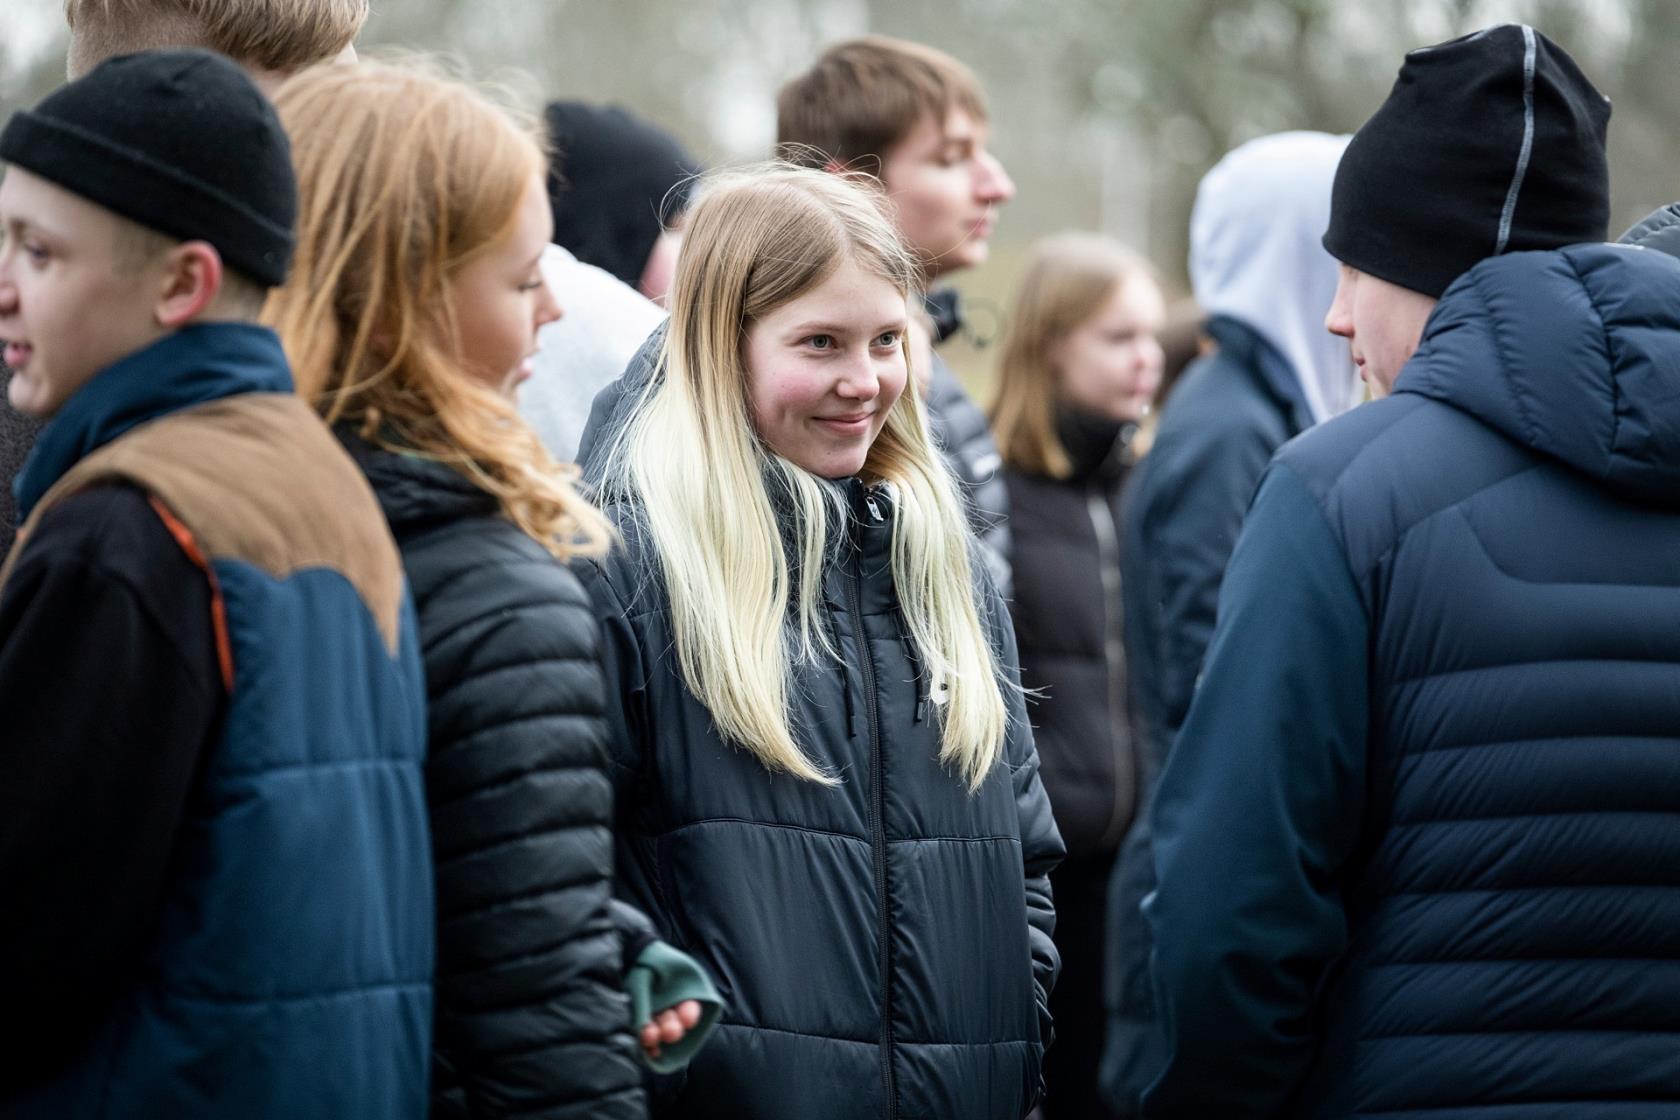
(532,1020)
(1418,843)
(883,946)
(1184,506)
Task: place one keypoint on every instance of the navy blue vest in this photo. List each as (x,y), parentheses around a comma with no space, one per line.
(289,975)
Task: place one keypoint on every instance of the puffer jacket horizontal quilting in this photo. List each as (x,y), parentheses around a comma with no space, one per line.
(890,934)
(531,1017)
(1510,518)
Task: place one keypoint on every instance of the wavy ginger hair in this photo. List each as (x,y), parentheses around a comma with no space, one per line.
(405,176)
(741,533)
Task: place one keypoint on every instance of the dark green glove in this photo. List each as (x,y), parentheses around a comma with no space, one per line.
(661,978)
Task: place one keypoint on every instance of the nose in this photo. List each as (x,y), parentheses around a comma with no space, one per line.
(1339,319)
(992,183)
(859,381)
(548,308)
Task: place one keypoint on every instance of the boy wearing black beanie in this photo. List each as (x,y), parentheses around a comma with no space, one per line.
(1416,841)
(215,853)
(1490,144)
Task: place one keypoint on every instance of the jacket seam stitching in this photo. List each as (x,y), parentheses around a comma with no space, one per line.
(1611,350)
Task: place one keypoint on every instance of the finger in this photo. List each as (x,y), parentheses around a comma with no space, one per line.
(670,1027)
(689,1012)
(650,1036)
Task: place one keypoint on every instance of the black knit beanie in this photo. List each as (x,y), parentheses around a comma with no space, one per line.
(1489,144)
(616,181)
(179,141)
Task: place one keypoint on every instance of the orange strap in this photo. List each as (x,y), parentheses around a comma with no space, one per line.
(218,609)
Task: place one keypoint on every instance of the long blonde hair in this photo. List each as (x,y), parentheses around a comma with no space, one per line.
(723,511)
(404,177)
(1068,278)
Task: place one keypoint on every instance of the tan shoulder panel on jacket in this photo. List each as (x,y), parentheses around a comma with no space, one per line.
(258,478)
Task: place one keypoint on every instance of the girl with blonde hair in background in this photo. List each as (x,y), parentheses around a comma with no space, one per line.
(1078,372)
(828,787)
(410,319)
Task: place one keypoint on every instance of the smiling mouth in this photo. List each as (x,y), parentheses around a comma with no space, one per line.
(849,425)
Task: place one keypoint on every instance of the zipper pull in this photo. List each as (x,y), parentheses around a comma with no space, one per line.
(874,510)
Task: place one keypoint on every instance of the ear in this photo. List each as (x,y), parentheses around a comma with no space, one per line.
(192,278)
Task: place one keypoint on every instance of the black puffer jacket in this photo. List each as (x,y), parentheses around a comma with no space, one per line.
(884,946)
(531,1016)
(1068,620)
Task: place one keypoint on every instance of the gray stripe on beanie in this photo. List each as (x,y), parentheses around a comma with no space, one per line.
(1510,211)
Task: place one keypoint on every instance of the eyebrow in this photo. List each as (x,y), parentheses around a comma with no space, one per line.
(820,327)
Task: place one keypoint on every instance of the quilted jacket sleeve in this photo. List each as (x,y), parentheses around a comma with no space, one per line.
(531,1018)
(1259,810)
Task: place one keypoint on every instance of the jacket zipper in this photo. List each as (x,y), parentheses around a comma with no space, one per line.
(1114,653)
(877,812)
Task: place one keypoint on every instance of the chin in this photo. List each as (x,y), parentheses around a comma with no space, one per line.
(967,255)
(837,466)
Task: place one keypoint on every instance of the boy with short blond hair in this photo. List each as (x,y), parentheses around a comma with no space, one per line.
(215,860)
(271,39)
(915,118)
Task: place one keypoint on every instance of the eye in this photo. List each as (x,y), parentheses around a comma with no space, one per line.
(531,285)
(820,342)
(36,253)
(889,340)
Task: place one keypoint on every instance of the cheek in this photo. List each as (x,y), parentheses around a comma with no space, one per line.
(931,207)
(782,394)
(494,337)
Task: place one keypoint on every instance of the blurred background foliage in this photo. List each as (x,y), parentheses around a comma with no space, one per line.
(1106,112)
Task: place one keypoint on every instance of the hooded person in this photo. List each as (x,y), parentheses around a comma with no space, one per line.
(619,188)
(1265,283)
(1415,841)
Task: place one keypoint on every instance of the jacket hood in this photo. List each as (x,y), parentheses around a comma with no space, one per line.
(614,406)
(1571,352)
(1256,256)
(1659,230)
(416,493)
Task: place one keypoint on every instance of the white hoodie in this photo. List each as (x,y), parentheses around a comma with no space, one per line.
(1256,255)
(603,323)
